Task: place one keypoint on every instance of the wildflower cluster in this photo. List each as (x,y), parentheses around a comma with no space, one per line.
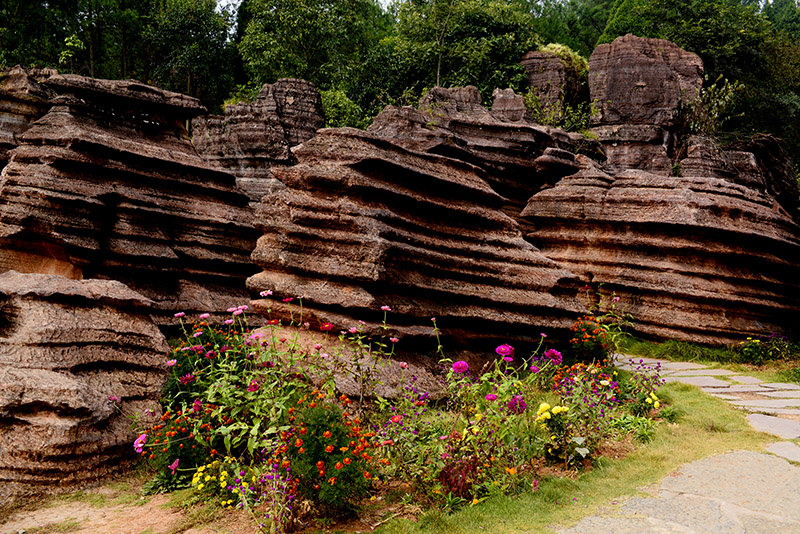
(590,341)
(758,351)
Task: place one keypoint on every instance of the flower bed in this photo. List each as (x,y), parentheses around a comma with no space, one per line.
(253,420)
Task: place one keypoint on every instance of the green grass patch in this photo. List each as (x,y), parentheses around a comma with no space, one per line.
(68,525)
(707,427)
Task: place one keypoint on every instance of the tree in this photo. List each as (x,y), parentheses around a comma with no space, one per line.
(190,49)
(465,42)
(575,23)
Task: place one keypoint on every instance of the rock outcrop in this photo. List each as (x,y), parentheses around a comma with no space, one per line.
(518,157)
(77,359)
(637,86)
(552,81)
(107,185)
(251,139)
(363,222)
(22,101)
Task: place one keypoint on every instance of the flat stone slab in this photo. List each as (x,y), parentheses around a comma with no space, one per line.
(791,394)
(740,388)
(724,396)
(700,381)
(704,372)
(777,426)
(768,403)
(735,493)
(681,366)
(785,449)
(782,385)
(744,379)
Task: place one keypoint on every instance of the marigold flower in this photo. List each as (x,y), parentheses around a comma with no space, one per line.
(327,434)
(329,449)
(298,442)
(367,475)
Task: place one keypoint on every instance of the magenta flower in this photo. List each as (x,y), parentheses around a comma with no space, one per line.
(254,385)
(505,350)
(508,359)
(554,356)
(139,443)
(171,363)
(516,404)
(205,315)
(187,379)
(460,367)
(174,465)
(543,335)
(288,299)
(534,369)
(228,321)
(197,406)
(394,339)
(491,397)
(386,308)
(114,398)
(353,330)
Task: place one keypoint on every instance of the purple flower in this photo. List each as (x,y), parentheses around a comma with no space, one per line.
(491,397)
(460,367)
(174,465)
(187,378)
(554,356)
(534,369)
(139,443)
(516,404)
(505,350)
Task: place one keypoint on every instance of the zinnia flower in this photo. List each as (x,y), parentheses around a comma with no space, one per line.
(394,339)
(205,315)
(517,404)
(505,350)
(179,314)
(403,365)
(554,356)
(386,308)
(266,293)
(460,367)
(174,465)
(139,443)
(187,378)
(491,397)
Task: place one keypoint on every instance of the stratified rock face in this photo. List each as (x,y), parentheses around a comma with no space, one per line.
(22,101)
(107,185)
(66,346)
(637,86)
(551,81)
(250,139)
(634,80)
(518,157)
(697,258)
(364,222)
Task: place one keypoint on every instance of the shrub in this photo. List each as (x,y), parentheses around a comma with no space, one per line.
(590,341)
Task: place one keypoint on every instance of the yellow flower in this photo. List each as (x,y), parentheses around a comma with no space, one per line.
(543,407)
(648,400)
(200,486)
(656,405)
(474,501)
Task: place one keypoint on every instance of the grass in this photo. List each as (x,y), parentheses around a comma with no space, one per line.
(68,525)
(709,426)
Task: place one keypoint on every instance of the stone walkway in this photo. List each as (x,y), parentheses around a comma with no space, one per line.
(739,492)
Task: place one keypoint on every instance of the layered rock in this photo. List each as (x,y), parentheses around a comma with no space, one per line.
(637,86)
(78,358)
(107,185)
(364,222)
(22,101)
(252,138)
(518,157)
(698,258)
(551,80)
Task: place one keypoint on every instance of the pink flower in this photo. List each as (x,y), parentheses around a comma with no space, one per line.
(386,308)
(179,314)
(139,443)
(433,319)
(187,379)
(228,321)
(253,386)
(288,299)
(353,330)
(231,310)
(615,299)
(491,397)
(554,356)
(197,334)
(317,346)
(197,406)
(394,339)
(460,367)
(205,315)
(534,369)
(174,465)
(114,398)
(543,335)
(508,359)
(266,293)
(171,363)
(326,326)
(403,365)
(505,350)
(237,312)
(396,418)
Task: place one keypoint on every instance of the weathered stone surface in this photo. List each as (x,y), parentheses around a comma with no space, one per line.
(636,146)
(252,138)
(66,346)
(551,80)
(785,449)
(693,258)
(508,106)
(777,426)
(519,158)
(699,381)
(22,101)
(634,80)
(364,222)
(107,185)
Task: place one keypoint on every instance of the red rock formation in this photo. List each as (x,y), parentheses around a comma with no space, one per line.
(251,139)
(552,82)
(66,347)
(22,101)
(107,185)
(637,86)
(364,222)
(695,258)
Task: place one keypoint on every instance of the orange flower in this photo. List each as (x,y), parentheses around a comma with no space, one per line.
(367,475)
(332,481)
(301,450)
(338,465)
(329,449)
(302,430)
(320,464)
(346,461)
(327,434)
(298,442)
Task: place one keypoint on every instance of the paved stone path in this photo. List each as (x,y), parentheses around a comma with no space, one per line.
(739,492)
